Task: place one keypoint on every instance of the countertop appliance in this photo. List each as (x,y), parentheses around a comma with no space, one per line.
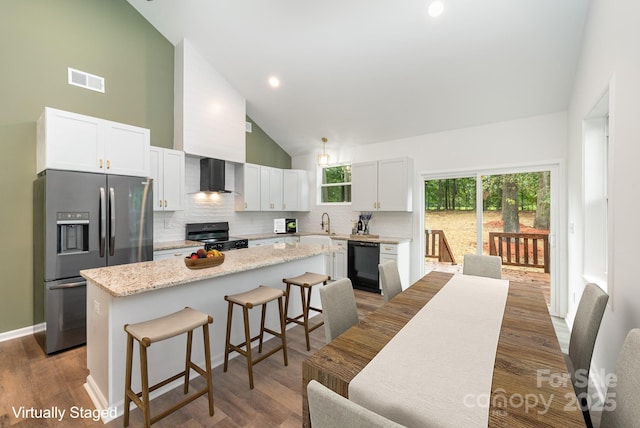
(285,225)
(362,265)
(83,221)
(214,236)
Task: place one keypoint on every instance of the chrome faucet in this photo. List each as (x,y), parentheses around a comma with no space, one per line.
(328,223)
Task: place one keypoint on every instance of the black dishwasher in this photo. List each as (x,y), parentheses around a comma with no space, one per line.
(362,269)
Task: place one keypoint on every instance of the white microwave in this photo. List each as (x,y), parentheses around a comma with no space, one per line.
(285,225)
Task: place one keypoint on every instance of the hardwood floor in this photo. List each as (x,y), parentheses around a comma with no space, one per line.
(30,379)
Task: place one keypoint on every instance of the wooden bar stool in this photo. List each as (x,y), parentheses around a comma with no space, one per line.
(148,332)
(258,296)
(305,281)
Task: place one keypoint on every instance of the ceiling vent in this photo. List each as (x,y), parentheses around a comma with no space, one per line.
(86,80)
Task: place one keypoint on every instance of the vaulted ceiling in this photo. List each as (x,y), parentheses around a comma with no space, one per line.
(365,71)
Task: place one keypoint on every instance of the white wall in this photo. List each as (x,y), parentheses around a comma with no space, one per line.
(610,48)
(531,140)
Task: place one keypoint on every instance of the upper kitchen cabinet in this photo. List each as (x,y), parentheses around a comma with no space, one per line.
(270,188)
(209,113)
(247,182)
(382,185)
(71,141)
(295,190)
(264,188)
(168,172)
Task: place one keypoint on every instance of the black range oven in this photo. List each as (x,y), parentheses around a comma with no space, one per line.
(214,236)
(362,266)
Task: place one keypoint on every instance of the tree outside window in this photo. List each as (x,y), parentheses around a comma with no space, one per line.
(335,185)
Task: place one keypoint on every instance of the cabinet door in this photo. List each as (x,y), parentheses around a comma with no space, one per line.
(126,150)
(69,141)
(291,190)
(394,186)
(247,197)
(155,172)
(339,260)
(270,189)
(364,186)
(295,190)
(173,180)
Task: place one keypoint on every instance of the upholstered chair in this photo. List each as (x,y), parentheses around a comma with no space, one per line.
(480,265)
(338,308)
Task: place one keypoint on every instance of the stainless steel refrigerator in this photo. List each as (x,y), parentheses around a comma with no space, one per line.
(82,221)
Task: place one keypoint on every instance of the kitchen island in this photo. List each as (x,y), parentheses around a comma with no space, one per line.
(132,293)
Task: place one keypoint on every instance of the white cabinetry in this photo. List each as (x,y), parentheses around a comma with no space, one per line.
(177,252)
(270,241)
(247,187)
(167,171)
(295,190)
(270,189)
(71,141)
(264,188)
(399,253)
(339,268)
(382,185)
(209,113)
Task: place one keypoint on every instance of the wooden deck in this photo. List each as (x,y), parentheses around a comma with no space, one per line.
(534,277)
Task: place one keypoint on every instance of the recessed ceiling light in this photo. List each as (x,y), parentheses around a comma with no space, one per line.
(274,82)
(436,8)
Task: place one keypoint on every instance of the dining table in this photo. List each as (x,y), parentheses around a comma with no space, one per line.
(453,350)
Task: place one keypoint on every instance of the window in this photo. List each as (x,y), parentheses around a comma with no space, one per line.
(335,184)
(596,199)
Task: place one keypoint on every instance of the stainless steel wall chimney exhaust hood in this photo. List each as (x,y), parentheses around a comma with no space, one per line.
(212,176)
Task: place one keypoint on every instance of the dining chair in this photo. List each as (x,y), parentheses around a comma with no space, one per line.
(328,409)
(481,265)
(582,341)
(621,402)
(338,308)
(390,279)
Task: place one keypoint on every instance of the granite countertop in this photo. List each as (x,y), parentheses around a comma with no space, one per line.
(134,278)
(172,245)
(343,237)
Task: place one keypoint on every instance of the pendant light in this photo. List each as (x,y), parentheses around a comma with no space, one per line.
(323,158)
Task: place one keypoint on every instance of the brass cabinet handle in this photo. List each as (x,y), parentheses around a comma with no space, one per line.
(100,163)
(165,203)
(160,203)
(108,164)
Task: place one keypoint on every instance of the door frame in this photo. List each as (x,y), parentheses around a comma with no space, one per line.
(557,235)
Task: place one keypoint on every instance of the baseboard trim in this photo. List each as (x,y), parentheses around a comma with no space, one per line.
(24,331)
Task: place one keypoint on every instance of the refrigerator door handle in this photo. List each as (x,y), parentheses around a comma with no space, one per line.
(103,221)
(68,285)
(112,221)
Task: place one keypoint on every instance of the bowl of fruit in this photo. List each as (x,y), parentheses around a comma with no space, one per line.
(204,259)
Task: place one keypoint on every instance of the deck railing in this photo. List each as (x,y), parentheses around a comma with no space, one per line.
(436,246)
(521,249)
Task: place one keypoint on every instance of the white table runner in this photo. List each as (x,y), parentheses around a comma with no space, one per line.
(437,370)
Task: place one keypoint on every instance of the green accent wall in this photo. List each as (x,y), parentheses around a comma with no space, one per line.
(39,40)
(262,150)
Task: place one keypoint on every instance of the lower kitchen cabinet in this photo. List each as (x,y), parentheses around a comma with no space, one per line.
(399,253)
(175,252)
(338,259)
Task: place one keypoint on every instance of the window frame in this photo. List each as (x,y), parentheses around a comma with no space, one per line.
(320,185)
